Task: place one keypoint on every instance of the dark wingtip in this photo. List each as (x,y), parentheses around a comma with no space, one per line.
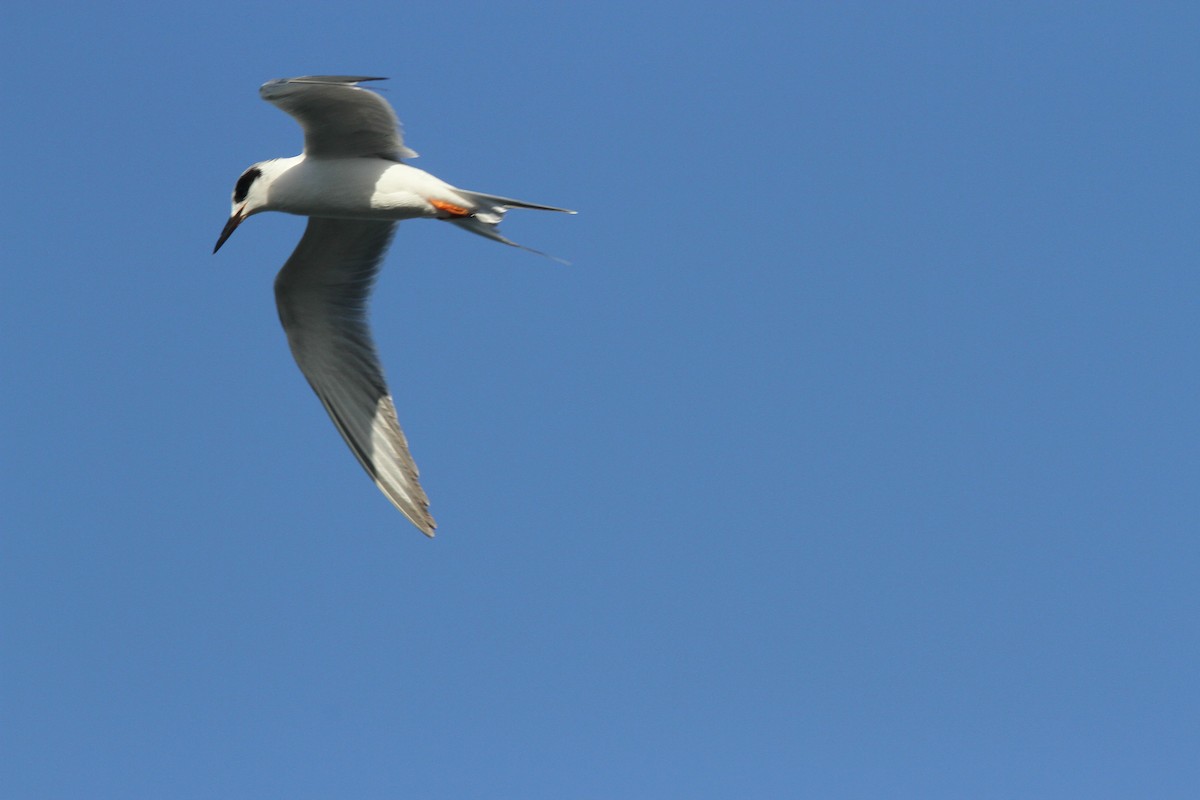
(338,79)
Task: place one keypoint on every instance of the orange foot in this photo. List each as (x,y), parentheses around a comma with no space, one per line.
(450,209)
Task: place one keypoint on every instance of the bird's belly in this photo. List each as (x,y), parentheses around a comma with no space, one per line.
(354,189)
(392,206)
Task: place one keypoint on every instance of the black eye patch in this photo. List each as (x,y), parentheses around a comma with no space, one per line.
(243,184)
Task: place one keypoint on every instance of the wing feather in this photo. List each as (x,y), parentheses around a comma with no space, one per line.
(322,294)
(339,118)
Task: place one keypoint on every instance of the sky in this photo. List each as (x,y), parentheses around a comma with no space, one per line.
(854,455)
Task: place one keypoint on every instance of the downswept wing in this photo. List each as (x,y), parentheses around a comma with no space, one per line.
(339,118)
(322,295)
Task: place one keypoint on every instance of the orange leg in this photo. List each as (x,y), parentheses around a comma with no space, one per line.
(450,209)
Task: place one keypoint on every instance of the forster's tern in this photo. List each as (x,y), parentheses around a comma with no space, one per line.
(353,186)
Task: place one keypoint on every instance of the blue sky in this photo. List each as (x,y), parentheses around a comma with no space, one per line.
(855,455)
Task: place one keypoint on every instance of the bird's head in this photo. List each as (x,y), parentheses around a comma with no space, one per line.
(250,195)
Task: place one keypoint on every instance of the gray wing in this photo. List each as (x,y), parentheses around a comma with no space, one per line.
(322,296)
(339,118)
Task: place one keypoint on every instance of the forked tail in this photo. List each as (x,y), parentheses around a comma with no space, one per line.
(489,212)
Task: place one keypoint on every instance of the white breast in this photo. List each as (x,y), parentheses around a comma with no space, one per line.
(356,188)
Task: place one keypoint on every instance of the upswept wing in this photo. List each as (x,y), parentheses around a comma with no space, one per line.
(322,295)
(340,119)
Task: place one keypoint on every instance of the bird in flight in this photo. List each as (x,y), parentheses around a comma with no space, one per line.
(353,185)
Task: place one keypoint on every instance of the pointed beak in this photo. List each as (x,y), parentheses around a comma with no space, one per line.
(230,227)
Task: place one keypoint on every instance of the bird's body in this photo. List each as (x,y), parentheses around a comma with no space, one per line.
(353,186)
